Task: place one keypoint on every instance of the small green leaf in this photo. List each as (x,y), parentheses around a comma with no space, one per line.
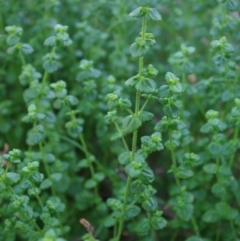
(132,211)
(12,39)
(185,211)
(46,184)
(72,100)
(35,135)
(133,169)
(27,49)
(210,168)
(136,13)
(51,65)
(50,158)
(109,221)
(142,227)
(146,86)
(225,211)
(218,189)
(215,148)
(146,175)
(171,110)
(132,81)
(56,177)
(206,128)
(36,177)
(114,203)
(26,185)
(153,14)
(164,91)
(139,49)
(33,191)
(184,172)
(137,187)
(90,183)
(150,13)
(158,223)
(51,41)
(131,123)
(25,213)
(150,205)
(232,5)
(187,197)
(152,72)
(55,204)
(74,127)
(124,158)
(83,163)
(176,88)
(146,116)
(116,136)
(211,216)
(12,178)
(13,156)
(99,176)
(225,171)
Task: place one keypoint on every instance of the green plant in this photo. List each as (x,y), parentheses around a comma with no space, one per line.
(88,152)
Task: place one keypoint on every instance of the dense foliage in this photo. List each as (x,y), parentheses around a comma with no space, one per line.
(120,120)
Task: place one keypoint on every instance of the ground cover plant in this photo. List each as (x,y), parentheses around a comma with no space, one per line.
(120,120)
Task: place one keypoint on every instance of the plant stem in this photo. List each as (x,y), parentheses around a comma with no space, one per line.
(86,152)
(218,232)
(152,231)
(38,198)
(235,140)
(49,177)
(103,169)
(120,227)
(123,139)
(44,79)
(135,133)
(233,230)
(174,162)
(144,105)
(195,226)
(174,235)
(36,226)
(46,166)
(130,112)
(22,58)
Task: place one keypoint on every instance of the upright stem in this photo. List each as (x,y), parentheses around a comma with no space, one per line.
(123,139)
(233,230)
(144,105)
(22,58)
(195,226)
(135,133)
(86,152)
(152,231)
(218,232)
(120,227)
(45,76)
(38,198)
(50,178)
(235,140)
(174,162)
(174,235)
